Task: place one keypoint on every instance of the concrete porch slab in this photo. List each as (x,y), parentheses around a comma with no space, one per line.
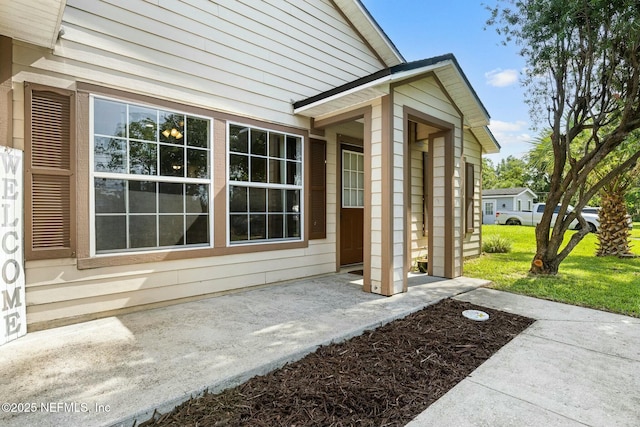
(116,370)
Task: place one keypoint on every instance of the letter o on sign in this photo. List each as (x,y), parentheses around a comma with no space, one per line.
(6,269)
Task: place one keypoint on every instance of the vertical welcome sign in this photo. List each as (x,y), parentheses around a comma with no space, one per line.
(13,322)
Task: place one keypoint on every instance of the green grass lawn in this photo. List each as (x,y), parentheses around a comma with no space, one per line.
(603,283)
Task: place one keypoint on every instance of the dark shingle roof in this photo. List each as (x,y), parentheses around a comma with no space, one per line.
(504,191)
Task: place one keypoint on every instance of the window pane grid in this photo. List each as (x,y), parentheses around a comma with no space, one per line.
(151,178)
(352,179)
(265,185)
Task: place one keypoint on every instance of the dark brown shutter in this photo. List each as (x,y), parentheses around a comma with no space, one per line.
(469,195)
(317,216)
(50,173)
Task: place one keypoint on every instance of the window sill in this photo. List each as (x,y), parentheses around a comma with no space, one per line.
(86,263)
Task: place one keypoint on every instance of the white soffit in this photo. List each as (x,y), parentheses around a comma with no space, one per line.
(32,21)
(486,139)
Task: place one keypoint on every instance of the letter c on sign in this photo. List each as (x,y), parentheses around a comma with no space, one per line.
(4,242)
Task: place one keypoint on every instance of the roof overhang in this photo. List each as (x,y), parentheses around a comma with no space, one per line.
(33,21)
(445,68)
(486,139)
(369,29)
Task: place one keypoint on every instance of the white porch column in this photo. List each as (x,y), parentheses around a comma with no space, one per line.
(387,200)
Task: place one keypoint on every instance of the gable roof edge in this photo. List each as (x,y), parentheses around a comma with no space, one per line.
(369,29)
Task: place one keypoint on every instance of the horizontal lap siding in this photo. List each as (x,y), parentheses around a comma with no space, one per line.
(376,198)
(426,96)
(244,57)
(419,242)
(60,291)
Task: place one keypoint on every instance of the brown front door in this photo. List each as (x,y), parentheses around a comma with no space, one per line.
(352,206)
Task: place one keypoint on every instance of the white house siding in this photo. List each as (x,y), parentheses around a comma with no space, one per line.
(376,197)
(242,57)
(426,96)
(438,213)
(419,242)
(473,154)
(399,235)
(237,56)
(458,203)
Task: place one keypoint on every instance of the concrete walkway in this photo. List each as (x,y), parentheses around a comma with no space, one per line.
(116,370)
(574,366)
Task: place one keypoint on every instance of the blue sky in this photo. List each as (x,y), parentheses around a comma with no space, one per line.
(426,28)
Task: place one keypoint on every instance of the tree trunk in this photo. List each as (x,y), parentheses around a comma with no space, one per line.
(613,238)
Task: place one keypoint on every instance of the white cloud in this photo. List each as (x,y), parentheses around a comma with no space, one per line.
(501,78)
(498,126)
(513,138)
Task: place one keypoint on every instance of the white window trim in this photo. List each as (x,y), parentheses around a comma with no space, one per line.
(267,185)
(157,178)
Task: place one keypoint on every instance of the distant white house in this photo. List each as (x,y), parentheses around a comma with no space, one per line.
(510,199)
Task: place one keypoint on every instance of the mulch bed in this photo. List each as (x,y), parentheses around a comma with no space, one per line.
(383,377)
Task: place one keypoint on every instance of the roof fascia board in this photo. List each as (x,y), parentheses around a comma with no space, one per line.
(383,78)
(380,31)
(348,8)
(56,32)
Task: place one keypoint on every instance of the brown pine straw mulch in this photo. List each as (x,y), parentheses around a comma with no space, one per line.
(384,377)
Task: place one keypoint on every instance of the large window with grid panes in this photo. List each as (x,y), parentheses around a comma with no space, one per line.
(151,178)
(265,185)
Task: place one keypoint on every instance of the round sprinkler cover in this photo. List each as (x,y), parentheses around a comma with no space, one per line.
(478,315)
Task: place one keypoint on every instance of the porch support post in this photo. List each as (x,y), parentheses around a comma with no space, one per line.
(443,213)
(387,198)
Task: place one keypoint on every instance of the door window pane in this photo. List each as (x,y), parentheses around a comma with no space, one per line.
(352,179)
